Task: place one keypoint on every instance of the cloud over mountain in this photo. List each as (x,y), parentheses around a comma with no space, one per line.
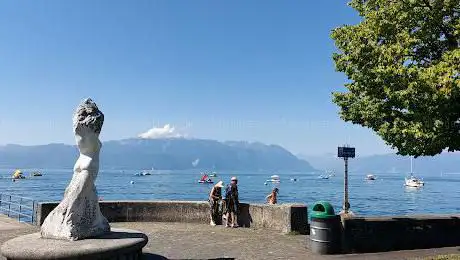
(167,131)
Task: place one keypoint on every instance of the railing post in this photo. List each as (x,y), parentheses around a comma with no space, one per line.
(33,211)
(19,214)
(9,206)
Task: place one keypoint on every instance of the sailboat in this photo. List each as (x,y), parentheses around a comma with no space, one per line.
(413,181)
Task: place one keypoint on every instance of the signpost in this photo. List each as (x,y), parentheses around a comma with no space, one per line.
(346,152)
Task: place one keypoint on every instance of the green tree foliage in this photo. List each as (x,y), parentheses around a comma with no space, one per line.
(403,63)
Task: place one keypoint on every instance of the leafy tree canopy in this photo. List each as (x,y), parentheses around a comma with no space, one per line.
(403,65)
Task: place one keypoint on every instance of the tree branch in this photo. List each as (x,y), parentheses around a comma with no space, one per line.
(427,4)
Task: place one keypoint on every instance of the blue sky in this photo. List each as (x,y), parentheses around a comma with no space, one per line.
(228,70)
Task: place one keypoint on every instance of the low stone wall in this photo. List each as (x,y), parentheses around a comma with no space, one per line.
(378,234)
(283,217)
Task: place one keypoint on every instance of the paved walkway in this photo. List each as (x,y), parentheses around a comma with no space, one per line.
(195,241)
(11,228)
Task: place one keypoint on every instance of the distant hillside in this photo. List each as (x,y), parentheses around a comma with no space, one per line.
(173,154)
(388,163)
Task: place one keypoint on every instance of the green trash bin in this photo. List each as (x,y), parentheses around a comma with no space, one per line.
(325,229)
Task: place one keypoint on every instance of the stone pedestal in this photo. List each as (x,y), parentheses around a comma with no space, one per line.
(118,244)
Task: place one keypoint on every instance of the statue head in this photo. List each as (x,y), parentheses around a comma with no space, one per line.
(87,117)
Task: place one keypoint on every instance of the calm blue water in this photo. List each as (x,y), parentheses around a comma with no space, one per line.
(384,196)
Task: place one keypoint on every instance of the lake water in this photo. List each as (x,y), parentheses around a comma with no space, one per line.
(384,196)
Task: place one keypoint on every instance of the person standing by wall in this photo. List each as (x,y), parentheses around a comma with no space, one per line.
(272,198)
(232,203)
(215,196)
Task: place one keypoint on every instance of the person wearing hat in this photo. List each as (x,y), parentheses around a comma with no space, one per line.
(272,198)
(214,198)
(232,203)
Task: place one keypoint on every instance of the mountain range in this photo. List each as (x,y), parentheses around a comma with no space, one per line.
(170,153)
(182,154)
(388,163)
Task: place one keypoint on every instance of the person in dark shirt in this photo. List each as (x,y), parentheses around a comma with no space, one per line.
(232,203)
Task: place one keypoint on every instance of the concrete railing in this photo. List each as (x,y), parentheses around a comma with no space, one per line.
(378,234)
(283,217)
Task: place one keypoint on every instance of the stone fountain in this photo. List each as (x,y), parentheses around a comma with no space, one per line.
(76,228)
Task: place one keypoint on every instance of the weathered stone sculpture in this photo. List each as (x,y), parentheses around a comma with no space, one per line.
(78,216)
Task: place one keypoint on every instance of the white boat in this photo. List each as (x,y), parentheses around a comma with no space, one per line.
(143,173)
(329,173)
(370,177)
(413,181)
(273,179)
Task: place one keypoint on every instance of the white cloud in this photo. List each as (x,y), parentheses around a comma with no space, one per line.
(167,131)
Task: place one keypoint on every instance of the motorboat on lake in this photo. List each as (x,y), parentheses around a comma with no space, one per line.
(143,173)
(370,177)
(273,179)
(205,179)
(327,174)
(213,174)
(17,174)
(37,174)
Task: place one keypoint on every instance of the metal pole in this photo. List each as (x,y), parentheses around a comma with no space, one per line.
(33,211)
(346,204)
(19,214)
(9,207)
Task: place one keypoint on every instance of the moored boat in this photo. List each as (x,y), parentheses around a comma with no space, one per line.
(205,179)
(413,181)
(37,174)
(273,179)
(18,175)
(370,177)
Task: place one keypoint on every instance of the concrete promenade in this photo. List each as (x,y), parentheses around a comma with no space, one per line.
(199,241)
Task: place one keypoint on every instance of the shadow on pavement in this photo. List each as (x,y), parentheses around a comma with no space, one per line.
(148,256)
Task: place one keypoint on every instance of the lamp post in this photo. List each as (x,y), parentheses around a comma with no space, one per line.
(346,152)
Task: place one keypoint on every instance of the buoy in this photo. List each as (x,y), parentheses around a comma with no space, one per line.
(265,183)
(132,182)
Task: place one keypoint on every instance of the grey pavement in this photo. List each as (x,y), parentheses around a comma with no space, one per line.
(198,241)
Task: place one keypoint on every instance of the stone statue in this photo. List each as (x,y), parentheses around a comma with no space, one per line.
(78,216)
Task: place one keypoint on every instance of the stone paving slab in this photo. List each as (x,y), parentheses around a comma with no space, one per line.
(11,228)
(196,241)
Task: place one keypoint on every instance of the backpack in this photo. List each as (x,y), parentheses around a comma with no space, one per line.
(228,191)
